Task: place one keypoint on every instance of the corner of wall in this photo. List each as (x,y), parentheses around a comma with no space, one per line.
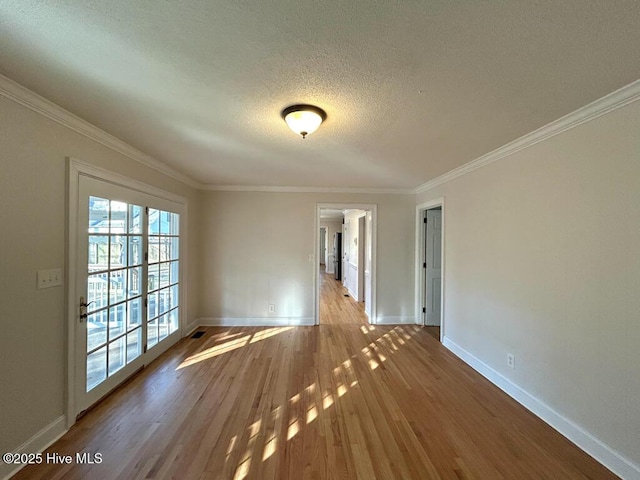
(582,438)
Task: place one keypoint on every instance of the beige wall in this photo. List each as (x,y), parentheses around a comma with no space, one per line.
(543,261)
(32,219)
(256,246)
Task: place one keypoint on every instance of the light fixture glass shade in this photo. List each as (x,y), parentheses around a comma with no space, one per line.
(303,119)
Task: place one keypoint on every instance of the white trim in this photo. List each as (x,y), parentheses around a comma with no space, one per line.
(71,248)
(602,106)
(578,435)
(293,189)
(36,444)
(352,266)
(183,289)
(418,283)
(88,169)
(76,168)
(191,327)
(33,101)
(374,252)
(395,320)
(254,322)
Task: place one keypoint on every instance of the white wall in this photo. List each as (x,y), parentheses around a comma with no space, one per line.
(32,216)
(352,243)
(542,258)
(255,249)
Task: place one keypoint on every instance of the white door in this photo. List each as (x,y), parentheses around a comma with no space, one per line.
(433,258)
(127,284)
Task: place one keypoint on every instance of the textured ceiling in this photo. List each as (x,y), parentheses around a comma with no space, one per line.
(412,88)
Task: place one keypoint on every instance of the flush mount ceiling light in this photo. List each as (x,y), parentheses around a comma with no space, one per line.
(303,119)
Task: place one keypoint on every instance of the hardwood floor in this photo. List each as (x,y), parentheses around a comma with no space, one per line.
(433,331)
(324,402)
(335,308)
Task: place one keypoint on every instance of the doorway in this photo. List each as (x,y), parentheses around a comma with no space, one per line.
(348,294)
(125,267)
(430,267)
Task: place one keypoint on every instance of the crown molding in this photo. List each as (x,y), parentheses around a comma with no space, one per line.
(282,189)
(613,101)
(31,100)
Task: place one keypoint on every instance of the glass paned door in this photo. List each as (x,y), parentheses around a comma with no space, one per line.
(163,277)
(114,296)
(127,283)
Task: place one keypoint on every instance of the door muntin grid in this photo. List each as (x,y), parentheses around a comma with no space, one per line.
(114,288)
(163,275)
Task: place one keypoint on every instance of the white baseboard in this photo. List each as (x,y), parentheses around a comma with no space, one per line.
(582,438)
(254,322)
(352,295)
(191,327)
(36,444)
(395,320)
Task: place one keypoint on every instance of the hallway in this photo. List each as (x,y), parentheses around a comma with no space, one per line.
(337,307)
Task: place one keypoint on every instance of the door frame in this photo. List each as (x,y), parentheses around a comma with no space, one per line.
(420,290)
(76,169)
(324,252)
(362,253)
(373,208)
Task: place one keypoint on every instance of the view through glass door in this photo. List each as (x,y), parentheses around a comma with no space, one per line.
(128,284)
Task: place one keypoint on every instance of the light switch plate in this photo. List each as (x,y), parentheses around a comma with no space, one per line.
(49,278)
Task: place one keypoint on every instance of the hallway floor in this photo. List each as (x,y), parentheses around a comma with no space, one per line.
(337,307)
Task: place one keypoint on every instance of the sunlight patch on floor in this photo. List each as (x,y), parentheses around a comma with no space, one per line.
(341,390)
(293,430)
(232,345)
(270,447)
(243,470)
(215,351)
(264,334)
(327,401)
(312,414)
(231,447)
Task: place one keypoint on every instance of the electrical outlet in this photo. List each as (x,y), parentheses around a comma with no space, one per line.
(511,360)
(49,278)
(272,308)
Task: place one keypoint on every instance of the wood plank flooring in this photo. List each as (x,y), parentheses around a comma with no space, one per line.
(326,402)
(433,331)
(335,307)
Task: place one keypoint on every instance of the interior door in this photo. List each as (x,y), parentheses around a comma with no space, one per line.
(128,281)
(433,259)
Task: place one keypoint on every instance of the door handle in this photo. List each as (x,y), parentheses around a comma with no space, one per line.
(83,309)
